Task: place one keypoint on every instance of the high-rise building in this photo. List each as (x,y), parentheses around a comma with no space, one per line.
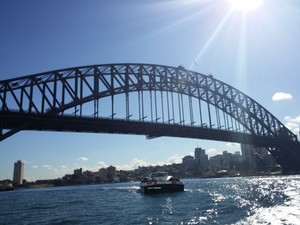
(227,160)
(201,158)
(18,172)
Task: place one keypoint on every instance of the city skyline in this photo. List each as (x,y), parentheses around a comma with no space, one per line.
(252,160)
(255,51)
(19,172)
(135,163)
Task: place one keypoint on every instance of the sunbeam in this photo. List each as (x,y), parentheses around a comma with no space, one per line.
(212,37)
(179,22)
(241,66)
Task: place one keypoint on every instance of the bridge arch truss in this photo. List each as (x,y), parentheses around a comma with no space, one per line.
(154,100)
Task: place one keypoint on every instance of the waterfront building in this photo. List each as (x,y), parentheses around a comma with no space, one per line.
(111,172)
(249,157)
(102,174)
(188,161)
(236,157)
(236,160)
(78,172)
(227,160)
(216,162)
(18,172)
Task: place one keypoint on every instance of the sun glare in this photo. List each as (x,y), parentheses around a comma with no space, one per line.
(245,5)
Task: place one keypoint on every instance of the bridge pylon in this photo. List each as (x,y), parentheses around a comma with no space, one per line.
(288,157)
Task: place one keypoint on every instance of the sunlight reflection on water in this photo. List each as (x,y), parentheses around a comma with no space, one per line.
(276,201)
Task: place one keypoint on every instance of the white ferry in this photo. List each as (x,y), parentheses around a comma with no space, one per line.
(159,182)
(6,187)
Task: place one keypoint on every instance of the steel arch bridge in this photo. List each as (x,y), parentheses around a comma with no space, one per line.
(145,99)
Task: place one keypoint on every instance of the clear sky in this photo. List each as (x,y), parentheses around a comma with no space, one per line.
(254,48)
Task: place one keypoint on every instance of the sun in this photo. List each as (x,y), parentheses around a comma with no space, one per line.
(245,5)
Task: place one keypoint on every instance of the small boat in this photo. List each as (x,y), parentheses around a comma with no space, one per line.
(6,187)
(160,182)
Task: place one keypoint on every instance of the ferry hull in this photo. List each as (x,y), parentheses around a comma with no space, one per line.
(6,188)
(162,188)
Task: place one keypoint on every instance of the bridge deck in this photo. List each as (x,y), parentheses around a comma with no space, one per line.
(42,122)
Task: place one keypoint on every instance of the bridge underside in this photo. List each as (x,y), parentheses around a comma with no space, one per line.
(289,159)
(105,125)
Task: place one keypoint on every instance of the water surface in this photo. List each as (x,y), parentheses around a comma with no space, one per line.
(255,200)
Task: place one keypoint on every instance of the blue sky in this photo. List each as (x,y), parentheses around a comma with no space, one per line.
(256,51)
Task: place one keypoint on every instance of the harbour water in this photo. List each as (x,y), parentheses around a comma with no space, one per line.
(239,201)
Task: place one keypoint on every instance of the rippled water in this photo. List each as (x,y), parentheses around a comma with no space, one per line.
(256,200)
